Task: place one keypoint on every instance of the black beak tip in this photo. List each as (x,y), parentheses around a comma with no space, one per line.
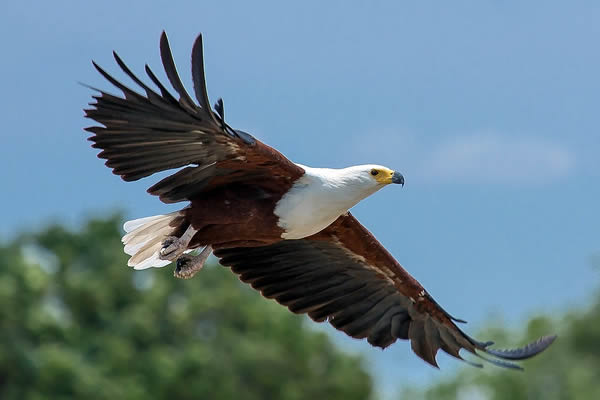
(398,178)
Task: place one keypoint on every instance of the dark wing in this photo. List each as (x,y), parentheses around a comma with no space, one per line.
(146,133)
(344,275)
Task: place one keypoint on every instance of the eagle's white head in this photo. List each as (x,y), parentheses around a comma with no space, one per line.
(367,176)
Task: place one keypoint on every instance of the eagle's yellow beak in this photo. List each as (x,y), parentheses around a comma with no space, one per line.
(386,176)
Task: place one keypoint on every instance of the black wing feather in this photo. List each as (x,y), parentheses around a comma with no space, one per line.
(323,279)
(171,70)
(199,77)
(145,134)
(163,90)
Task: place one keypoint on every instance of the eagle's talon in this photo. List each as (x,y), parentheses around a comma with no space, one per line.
(182,268)
(170,247)
(169,241)
(173,246)
(187,266)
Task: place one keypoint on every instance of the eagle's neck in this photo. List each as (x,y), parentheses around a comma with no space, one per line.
(319,197)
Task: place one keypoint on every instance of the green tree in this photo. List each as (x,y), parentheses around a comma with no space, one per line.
(77,323)
(570,369)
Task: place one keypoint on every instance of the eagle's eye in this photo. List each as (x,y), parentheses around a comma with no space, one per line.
(374,172)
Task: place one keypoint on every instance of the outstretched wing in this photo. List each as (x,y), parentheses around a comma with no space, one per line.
(343,275)
(145,134)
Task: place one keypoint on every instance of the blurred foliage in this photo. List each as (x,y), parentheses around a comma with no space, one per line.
(569,369)
(77,323)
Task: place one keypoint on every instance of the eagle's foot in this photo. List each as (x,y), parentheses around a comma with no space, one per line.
(168,244)
(173,247)
(188,266)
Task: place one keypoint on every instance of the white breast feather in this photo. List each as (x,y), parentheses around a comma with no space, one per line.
(320,196)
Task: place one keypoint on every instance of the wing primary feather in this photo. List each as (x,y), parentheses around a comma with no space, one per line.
(446,313)
(149,92)
(199,78)
(524,352)
(419,342)
(471,363)
(163,90)
(220,109)
(500,363)
(129,93)
(95,89)
(449,343)
(167,59)
(434,340)
(462,321)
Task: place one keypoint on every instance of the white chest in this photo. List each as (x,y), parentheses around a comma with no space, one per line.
(315,201)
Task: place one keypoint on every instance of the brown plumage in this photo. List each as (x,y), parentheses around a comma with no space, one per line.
(234,184)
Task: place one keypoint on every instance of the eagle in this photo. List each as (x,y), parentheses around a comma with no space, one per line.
(283,228)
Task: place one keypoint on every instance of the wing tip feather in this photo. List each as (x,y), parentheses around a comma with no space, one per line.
(524,352)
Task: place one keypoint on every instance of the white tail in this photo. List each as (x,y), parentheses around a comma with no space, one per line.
(144,239)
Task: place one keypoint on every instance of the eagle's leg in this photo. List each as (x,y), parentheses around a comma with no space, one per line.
(187,265)
(174,246)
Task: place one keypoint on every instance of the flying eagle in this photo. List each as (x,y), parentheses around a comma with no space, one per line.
(283,228)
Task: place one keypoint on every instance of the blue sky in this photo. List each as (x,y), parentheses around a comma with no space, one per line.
(490,110)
